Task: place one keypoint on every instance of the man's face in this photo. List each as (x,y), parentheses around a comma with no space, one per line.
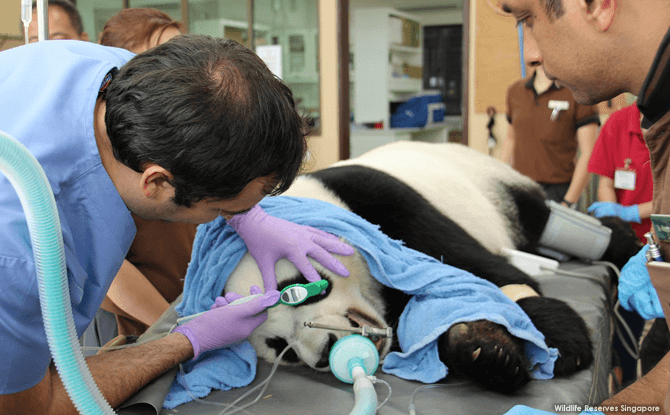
(566,47)
(60,26)
(206,211)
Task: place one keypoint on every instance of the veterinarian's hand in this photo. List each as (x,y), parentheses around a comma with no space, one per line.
(269,239)
(227,324)
(627,213)
(635,289)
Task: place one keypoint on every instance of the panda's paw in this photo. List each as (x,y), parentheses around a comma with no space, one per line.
(487,353)
(564,330)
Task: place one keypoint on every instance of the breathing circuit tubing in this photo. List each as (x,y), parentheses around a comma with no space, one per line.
(39,205)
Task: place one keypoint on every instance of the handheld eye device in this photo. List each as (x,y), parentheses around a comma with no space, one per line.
(296,294)
(292,295)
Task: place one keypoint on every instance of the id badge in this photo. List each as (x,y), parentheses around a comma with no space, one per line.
(624,179)
(661,224)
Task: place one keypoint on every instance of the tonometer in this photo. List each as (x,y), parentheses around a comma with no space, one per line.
(292,295)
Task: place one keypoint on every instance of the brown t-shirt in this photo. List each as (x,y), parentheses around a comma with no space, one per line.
(162,251)
(545,150)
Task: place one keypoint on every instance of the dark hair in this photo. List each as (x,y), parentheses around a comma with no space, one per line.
(210,112)
(132,28)
(554,8)
(71,10)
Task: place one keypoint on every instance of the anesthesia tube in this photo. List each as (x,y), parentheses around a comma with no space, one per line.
(352,359)
(39,205)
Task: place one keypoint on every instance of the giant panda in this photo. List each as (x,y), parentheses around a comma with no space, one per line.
(456,205)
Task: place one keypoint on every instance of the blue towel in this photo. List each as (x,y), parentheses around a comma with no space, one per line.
(442,296)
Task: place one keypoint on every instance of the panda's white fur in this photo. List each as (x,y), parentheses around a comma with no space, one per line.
(461,182)
(356,298)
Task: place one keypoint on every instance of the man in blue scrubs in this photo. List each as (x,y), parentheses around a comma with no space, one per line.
(193,129)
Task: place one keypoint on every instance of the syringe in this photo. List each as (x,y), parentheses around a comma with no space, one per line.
(26,15)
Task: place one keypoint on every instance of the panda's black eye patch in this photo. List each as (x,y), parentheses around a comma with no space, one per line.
(300,279)
(278,345)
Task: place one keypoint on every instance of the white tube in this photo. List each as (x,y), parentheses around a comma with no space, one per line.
(42,20)
(26,16)
(39,205)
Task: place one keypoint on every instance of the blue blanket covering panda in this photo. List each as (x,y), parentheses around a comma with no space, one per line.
(442,296)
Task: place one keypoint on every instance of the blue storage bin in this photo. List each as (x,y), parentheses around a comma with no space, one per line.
(414,112)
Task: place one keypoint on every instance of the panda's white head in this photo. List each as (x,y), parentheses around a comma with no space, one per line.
(348,302)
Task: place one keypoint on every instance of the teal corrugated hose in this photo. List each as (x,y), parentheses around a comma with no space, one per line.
(39,205)
(352,359)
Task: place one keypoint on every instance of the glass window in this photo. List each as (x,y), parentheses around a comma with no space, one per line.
(287,31)
(219,18)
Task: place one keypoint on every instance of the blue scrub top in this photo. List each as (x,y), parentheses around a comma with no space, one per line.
(48,92)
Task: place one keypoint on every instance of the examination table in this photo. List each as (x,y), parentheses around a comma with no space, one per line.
(300,390)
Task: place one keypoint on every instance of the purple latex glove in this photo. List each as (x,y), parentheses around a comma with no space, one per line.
(226,323)
(269,239)
(627,213)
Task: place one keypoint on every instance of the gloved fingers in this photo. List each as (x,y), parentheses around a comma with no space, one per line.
(219,302)
(267,269)
(258,305)
(305,267)
(255,289)
(231,296)
(270,298)
(328,261)
(320,232)
(633,213)
(596,205)
(647,304)
(333,245)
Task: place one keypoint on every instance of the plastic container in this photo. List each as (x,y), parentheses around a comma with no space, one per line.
(529,263)
(413,113)
(436,112)
(575,233)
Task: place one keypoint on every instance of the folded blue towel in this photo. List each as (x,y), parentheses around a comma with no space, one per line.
(442,296)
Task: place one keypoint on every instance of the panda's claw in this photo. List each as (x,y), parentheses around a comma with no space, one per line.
(487,353)
(476,354)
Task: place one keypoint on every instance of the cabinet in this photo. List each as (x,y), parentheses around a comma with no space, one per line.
(300,60)
(388,58)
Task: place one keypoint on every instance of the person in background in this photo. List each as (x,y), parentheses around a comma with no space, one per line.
(64,22)
(628,51)
(139,29)
(621,161)
(546,128)
(152,275)
(620,158)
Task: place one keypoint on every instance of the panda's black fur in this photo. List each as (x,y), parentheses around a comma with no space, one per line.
(482,350)
(403,214)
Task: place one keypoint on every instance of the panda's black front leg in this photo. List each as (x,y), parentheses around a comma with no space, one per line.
(563,329)
(487,353)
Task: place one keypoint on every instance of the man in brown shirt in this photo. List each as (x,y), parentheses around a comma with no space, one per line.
(600,49)
(546,127)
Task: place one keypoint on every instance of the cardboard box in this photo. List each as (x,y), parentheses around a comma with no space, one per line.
(413,71)
(411,33)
